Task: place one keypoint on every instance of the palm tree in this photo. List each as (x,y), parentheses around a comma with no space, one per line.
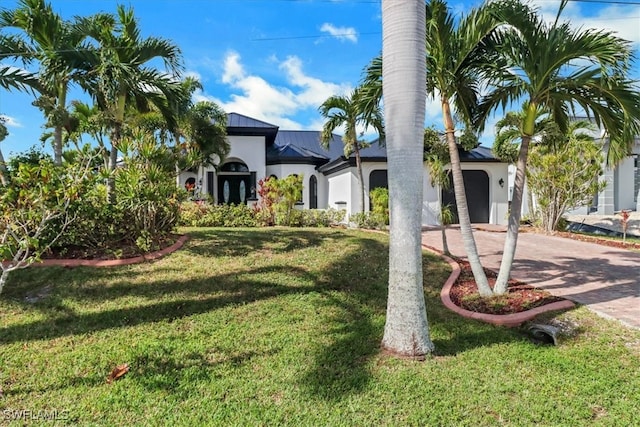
(121,79)
(348,111)
(45,37)
(457,56)
(455,63)
(558,69)
(12,77)
(406,330)
(200,136)
(436,155)
(4,173)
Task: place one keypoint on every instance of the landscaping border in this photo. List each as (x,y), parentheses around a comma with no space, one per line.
(151,256)
(508,320)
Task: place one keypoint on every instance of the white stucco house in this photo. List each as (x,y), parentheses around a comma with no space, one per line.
(622,190)
(260,150)
(623,184)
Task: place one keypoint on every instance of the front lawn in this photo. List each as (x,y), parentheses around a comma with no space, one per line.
(281,326)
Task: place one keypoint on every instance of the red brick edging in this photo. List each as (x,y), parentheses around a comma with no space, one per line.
(113,262)
(509,320)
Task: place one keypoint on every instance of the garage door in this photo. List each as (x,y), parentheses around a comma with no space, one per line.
(476,184)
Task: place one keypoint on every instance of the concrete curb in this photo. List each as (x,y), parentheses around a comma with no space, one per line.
(113,262)
(508,320)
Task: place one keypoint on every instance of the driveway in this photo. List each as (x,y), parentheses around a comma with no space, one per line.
(605,279)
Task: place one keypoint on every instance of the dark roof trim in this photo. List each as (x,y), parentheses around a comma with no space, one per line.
(342,163)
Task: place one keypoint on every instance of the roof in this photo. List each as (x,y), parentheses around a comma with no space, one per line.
(238,124)
(478,154)
(235,120)
(303,146)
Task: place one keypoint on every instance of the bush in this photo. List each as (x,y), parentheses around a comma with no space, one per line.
(369,220)
(322,217)
(380,203)
(201,214)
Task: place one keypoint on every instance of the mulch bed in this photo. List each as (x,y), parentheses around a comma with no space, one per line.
(118,250)
(519,297)
(631,243)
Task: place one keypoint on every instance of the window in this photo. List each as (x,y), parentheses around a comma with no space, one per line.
(313,192)
(234,167)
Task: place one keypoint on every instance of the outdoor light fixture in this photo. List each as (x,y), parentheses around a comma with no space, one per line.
(501,182)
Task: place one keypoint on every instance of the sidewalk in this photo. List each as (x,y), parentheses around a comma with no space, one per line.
(610,222)
(605,279)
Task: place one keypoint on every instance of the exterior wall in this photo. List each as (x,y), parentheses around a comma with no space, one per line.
(625,185)
(340,189)
(181,180)
(282,171)
(430,199)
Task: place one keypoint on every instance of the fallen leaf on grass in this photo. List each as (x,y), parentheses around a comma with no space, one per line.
(118,372)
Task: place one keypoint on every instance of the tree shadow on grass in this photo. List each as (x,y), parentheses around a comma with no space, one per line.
(68,322)
(353,290)
(241,242)
(342,367)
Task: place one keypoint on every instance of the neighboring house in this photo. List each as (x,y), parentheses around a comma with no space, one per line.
(621,192)
(260,150)
(623,185)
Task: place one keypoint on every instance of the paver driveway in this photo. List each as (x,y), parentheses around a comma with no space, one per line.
(605,279)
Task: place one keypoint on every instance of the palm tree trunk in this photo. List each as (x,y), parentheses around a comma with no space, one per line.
(511,240)
(360,178)
(4,173)
(57,131)
(57,145)
(406,330)
(113,161)
(466,233)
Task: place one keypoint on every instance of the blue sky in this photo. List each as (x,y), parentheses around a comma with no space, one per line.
(276,60)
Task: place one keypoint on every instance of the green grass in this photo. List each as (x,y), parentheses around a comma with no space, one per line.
(282,327)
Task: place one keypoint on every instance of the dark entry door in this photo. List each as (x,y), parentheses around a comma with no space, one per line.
(476,185)
(234,189)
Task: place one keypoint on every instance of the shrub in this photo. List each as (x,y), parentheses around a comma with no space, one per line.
(200,214)
(369,220)
(380,203)
(278,198)
(322,217)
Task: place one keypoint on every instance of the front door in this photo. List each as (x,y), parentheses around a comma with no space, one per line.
(234,189)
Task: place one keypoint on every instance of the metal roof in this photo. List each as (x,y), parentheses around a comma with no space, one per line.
(235,120)
(303,146)
(478,154)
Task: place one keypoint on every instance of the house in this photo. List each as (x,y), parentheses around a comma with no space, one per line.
(260,150)
(623,184)
(622,189)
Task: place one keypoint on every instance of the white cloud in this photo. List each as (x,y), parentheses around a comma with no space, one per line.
(11,122)
(256,97)
(620,19)
(341,33)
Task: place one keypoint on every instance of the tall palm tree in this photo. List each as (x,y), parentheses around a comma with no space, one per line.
(200,136)
(4,173)
(406,330)
(120,77)
(348,111)
(457,57)
(455,63)
(560,70)
(52,42)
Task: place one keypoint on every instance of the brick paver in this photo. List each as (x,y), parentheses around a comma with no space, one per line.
(605,279)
